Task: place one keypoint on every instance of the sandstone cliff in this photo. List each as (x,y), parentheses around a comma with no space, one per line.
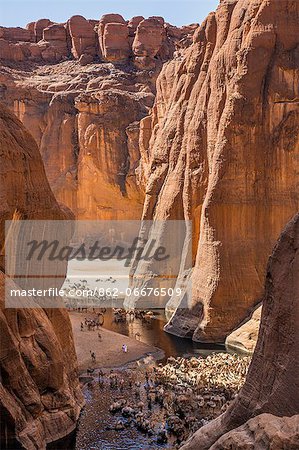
(81,88)
(263,432)
(272,384)
(40,395)
(224,153)
(245,337)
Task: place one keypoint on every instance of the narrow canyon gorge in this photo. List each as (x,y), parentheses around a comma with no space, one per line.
(138,119)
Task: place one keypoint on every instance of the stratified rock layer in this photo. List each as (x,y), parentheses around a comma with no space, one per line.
(110,39)
(40,394)
(272,384)
(82,97)
(224,153)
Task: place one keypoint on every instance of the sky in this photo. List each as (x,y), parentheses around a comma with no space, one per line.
(15,13)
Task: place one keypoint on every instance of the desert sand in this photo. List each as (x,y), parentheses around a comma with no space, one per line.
(108,350)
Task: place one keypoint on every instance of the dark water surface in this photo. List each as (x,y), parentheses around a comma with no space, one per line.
(152,333)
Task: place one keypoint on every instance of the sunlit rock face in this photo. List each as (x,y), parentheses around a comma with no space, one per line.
(81,90)
(224,153)
(245,337)
(82,36)
(265,413)
(40,394)
(262,432)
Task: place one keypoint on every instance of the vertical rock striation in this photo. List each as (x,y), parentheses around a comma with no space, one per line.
(224,153)
(40,393)
(272,384)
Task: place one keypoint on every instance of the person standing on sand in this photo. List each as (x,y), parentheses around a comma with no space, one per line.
(124,348)
(93,356)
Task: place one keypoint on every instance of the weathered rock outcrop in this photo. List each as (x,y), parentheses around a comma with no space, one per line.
(224,153)
(56,36)
(116,46)
(86,119)
(272,384)
(39,27)
(110,39)
(149,39)
(83,37)
(262,433)
(40,394)
(245,337)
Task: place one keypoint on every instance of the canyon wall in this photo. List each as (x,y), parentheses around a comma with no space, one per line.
(265,413)
(40,394)
(82,88)
(218,146)
(224,153)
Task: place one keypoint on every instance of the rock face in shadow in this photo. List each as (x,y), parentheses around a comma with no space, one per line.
(82,95)
(224,153)
(272,384)
(40,393)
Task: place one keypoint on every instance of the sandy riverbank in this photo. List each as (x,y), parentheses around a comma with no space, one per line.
(108,351)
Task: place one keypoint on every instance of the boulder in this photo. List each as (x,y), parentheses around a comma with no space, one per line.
(56,36)
(30,26)
(116,46)
(133,24)
(149,37)
(107,18)
(83,36)
(39,27)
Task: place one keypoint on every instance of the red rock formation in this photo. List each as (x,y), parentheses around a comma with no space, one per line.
(105,19)
(272,384)
(224,153)
(132,25)
(39,27)
(116,46)
(56,36)
(16,34)
(82,118)
(40,395)
(149,38)
(83,37)
(78,39)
